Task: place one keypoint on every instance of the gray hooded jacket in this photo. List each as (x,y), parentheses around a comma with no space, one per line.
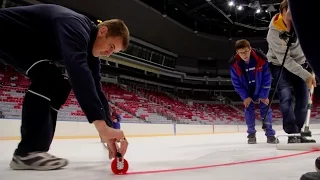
(277,48)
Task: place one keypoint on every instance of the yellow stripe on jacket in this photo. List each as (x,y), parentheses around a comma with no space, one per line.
(279,24)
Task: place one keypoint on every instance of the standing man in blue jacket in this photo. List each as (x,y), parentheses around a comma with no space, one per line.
(252,81)
(116,119)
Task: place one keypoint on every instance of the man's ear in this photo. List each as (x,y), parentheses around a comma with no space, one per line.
(103,30)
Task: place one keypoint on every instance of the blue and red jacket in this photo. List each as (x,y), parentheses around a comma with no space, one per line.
(261,76)
(116,125)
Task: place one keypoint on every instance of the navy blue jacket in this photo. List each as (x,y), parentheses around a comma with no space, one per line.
(261,75)
(32,33)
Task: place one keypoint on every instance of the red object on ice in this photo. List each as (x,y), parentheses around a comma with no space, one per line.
(119,166)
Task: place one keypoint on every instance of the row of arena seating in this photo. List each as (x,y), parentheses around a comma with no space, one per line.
(12,91)
(143,106)
(179,111)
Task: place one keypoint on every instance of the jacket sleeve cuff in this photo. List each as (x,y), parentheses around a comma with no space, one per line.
(264,96)
(244,97)
(305,74)
(99,115)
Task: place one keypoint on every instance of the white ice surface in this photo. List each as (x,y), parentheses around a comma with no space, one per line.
(89,160)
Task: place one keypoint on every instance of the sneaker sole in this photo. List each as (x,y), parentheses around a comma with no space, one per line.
(16,166)
(252,142)
(273,142)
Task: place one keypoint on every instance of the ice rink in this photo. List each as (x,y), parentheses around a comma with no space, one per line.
(217,156)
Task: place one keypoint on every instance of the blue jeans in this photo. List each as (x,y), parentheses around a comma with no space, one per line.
(250,118)
(293,119)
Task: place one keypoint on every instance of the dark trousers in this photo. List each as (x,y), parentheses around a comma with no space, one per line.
(293,117)
(48,91)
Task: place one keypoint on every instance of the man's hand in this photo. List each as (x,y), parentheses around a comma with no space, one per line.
(311,81)
(123,146)
(110,136)
(113,147)
(112,151)
(107,132)
(264,101)
(247,101)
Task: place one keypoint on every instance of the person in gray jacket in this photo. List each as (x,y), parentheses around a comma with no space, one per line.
(295,73)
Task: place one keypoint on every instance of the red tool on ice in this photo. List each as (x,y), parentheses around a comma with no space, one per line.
(119,165)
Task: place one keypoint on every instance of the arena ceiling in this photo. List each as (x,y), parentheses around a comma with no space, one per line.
(155,22)
(237,18)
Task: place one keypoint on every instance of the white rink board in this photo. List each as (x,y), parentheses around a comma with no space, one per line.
(10,129)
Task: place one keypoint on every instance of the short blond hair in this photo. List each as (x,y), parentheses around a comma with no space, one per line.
(117,28)
(283,6)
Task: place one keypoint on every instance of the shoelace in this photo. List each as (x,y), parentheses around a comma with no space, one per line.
(44,154)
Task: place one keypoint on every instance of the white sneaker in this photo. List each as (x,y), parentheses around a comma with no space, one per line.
(41,161)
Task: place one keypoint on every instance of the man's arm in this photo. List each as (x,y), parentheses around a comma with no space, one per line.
(73,40)
(94,65)
(266,78)
(238,86)
(279,48)
(266,81)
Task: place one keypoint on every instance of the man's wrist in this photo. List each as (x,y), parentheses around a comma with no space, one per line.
(100,125)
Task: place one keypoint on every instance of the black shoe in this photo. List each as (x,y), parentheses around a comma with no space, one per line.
(252,139)
(310,176)
(272,140)
(293,139)
(305,140)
